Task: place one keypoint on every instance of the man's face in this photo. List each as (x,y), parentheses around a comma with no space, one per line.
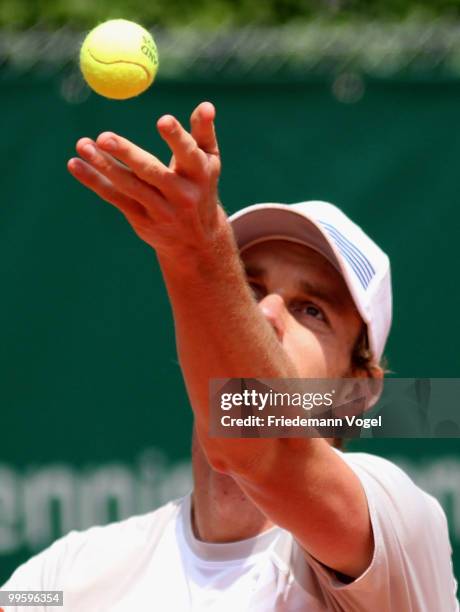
(306,301)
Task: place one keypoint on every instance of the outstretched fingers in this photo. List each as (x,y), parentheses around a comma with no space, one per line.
(162,203)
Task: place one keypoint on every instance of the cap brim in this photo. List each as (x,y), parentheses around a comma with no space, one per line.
(263,222)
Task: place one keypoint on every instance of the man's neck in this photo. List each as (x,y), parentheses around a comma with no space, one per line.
(221,512)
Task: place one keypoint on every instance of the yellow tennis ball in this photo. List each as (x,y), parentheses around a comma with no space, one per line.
(119,59)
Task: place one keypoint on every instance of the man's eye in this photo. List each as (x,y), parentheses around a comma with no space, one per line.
(308,309)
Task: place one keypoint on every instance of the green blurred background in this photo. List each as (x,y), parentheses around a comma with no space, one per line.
(95,420)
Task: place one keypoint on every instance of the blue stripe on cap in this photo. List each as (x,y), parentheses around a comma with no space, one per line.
(359,254)
(345,249)
(359,263)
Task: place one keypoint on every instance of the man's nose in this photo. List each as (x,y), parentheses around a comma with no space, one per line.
(274,310)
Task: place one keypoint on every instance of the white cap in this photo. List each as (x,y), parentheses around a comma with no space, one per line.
(325,228)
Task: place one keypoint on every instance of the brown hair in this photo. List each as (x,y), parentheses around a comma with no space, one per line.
(361,359)
(361,355)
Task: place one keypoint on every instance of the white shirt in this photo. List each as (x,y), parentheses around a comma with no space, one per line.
(154,562)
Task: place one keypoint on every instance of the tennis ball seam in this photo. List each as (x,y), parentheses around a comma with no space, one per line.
(120,61)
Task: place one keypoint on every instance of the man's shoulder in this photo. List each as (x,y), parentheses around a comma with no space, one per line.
(393,491)
(382,471)
(380,468)
(90,552)
(368,460)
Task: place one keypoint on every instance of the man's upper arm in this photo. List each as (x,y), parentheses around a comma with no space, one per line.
(411,568)
(303,486)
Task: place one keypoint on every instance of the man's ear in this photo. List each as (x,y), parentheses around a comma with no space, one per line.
(370,371)
(376,375)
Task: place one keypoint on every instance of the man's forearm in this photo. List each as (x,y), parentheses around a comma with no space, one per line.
(220,331)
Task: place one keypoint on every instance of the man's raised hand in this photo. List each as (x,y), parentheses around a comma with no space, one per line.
(173,208)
